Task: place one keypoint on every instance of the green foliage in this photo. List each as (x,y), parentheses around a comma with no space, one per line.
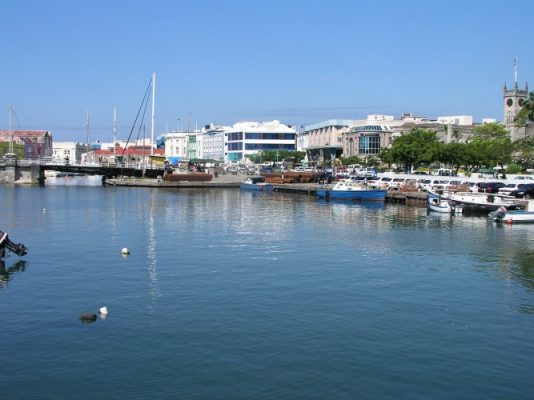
(277,156)
(350,160)
(491,145)
(419,146)
(513,168)
(526,114)
(524,152)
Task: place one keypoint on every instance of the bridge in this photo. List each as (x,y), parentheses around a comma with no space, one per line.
(32,171)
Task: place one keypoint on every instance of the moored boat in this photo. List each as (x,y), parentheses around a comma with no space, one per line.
(348,189)
(502,214)
(256,183)
(485,201)
(439,204)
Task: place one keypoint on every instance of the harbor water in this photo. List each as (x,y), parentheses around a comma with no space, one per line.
(238,295)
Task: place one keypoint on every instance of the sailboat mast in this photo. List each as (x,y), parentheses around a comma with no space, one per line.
(114,128)
(153,113)
(11,147)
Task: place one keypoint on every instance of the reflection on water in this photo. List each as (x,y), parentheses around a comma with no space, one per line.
(226,291)
(5,273)
(74,180)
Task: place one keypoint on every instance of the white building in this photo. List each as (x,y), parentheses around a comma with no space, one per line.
(456,120)
(213,142)
(176,146)
(246,138)
(71,151)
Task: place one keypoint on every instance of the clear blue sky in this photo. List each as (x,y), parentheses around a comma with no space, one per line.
(225,61)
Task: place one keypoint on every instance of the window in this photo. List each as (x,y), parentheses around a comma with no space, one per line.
(369,145)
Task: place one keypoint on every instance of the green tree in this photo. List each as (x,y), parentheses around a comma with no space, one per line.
(350,160)
(526,114)
(493,144)
(524,152)
(418,146)
(453,153)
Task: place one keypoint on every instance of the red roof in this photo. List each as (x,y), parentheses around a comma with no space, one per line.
(23,133)
(132,150)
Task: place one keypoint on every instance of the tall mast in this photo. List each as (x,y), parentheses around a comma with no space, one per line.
(87,130)
(153,113)
(114,128)
(11,147)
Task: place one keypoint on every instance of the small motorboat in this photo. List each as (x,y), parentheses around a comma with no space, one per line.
(348,189)
(502,214)
(256,183)
(443,205)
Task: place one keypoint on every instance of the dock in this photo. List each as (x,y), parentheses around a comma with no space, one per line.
(392,196)
(232,181)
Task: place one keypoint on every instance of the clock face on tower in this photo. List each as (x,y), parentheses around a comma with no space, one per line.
(509,102)
(520,102)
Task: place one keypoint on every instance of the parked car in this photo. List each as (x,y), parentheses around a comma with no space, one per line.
(490,187)
(523,190)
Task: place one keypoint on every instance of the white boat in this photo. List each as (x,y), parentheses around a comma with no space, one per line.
(485,201)
(502,214)
(256,183)
(439,204)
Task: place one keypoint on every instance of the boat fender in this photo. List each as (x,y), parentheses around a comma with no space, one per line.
(88,317)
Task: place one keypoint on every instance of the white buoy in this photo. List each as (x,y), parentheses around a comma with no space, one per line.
(125,251)
(44,209)
(104,310)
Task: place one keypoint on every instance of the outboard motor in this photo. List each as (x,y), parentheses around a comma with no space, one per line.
(5,244)
(498,214)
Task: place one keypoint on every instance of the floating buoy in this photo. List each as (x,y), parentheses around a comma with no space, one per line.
(104,310)
(44,209)
(88,317)
(125,251)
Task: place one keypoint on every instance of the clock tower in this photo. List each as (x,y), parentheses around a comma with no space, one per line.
(513,102)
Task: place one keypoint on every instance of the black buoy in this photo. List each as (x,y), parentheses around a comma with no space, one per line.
(88,317)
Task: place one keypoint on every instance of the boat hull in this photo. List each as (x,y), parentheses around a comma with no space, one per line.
(518,216)
(374,195)
(258,187)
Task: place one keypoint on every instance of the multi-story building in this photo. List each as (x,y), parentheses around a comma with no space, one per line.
(324,140)
(246,138)
(213,142)
(68,151)
(37,144)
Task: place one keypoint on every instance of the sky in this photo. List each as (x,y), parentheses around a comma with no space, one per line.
(222,62)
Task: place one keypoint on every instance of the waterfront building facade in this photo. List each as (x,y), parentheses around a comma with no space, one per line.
(246,138)
(176,146)
(367,140)
(37,144)
(213,142)
(324,140)
(68,152)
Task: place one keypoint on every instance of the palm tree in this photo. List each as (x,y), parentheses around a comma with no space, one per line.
(526,114)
